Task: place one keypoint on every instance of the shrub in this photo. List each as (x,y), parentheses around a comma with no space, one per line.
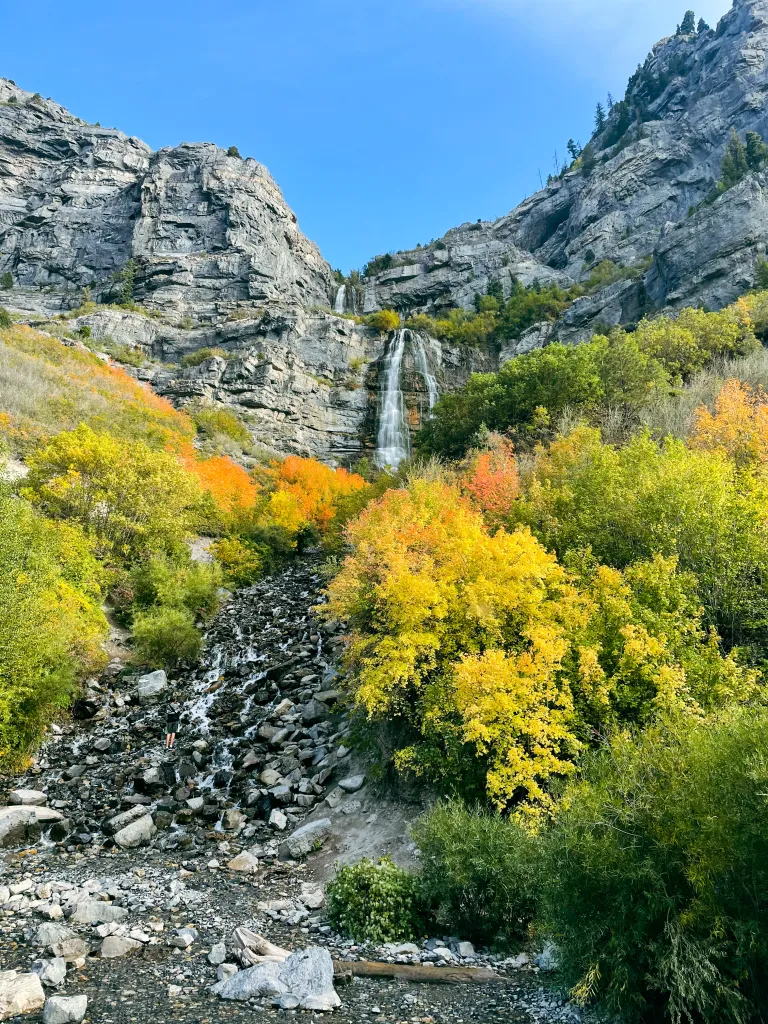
(6,319)
(477,873)
(203,354)
(374,902)
(166,637)
(655,880)
(176,582)
(213,420)
(384,321)
(130,497)
(234,151)
(230,493)
(50,623)
(306,494)
(242,562)
(6,281)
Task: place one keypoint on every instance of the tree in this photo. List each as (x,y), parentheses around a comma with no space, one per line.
(688,24)
(761,273)
(703,27)
(6,281)
(734,166)
(234,151)
(573,149)
(757,151)
(384,321)
(599,118)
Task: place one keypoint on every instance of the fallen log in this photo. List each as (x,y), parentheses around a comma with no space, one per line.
(348,969)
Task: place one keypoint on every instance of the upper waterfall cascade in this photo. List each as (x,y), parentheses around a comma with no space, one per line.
(393,444)
(340,305)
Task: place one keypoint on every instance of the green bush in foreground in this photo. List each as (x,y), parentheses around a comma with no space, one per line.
(378,902)
(166,637)
(656,873)
(478,873)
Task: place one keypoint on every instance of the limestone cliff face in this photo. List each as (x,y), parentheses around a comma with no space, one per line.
(654,164)
(207,232)
(218,261)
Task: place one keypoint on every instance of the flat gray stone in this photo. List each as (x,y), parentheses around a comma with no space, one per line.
(138,833)
(27,797)
(306,839)
(97,912)
(117,945)
(352,784)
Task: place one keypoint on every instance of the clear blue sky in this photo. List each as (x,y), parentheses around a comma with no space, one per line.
(385,122)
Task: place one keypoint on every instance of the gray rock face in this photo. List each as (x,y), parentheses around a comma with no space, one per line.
(640,201)
(19,994)
(207,231)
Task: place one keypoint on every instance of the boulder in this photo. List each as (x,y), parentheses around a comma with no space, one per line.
(308,977)
(137,833)
(97,912)
(19,994)
(218,954)
(277,820)
(116,945)
(65,1009)
(22,824)
(254,983)
(27,797)
(306,839)
(50,933)
(150,686)
(124,818)
(352,784)
(51,972)
(245,863)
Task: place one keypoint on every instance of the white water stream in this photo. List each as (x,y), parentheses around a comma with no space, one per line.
(340,305)
(393,443)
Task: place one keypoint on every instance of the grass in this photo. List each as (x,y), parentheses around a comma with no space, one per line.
(47,387)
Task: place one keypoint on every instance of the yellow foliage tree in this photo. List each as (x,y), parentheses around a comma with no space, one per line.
(738,427)
(131,497)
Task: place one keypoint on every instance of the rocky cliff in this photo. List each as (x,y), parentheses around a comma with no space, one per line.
(209,254)
(638,202)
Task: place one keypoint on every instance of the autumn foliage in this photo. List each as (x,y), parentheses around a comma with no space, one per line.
(491,480)
(305,493)
(738,427)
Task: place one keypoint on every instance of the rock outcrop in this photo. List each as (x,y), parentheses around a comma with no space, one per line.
(640,205)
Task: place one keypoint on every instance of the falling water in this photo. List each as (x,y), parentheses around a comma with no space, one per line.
(340,305)
(393,442)
(422,365)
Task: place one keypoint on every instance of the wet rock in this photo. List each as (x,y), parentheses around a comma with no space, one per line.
(19,994)
(304,840)
(65,1009)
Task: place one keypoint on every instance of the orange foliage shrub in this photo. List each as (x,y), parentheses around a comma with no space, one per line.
(491,480)
(229,486)
(306,493)
(738,427)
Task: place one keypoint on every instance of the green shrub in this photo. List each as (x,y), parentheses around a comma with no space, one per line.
(177,583)
(166,637)
(202,354)
(375,902)
(5,318)
(656,875)
(478,872)
(51,627)
(242,562)
(213,420)
(6,281)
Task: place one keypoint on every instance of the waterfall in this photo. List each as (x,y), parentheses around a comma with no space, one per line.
(340,305)
(422,365)
(393,442)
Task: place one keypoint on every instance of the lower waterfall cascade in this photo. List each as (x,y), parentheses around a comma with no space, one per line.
(393,443)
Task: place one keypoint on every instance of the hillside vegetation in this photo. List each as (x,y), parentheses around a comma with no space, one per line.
(117,483)
(561,622)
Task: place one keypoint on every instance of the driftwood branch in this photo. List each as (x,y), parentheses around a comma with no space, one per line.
(347,969)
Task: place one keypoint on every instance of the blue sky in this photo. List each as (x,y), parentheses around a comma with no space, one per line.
(386,122)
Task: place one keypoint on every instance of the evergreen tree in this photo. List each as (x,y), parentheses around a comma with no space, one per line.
(688,24)
(573,149)
(703,27)
(734,166)
(599,118)
(757,151)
